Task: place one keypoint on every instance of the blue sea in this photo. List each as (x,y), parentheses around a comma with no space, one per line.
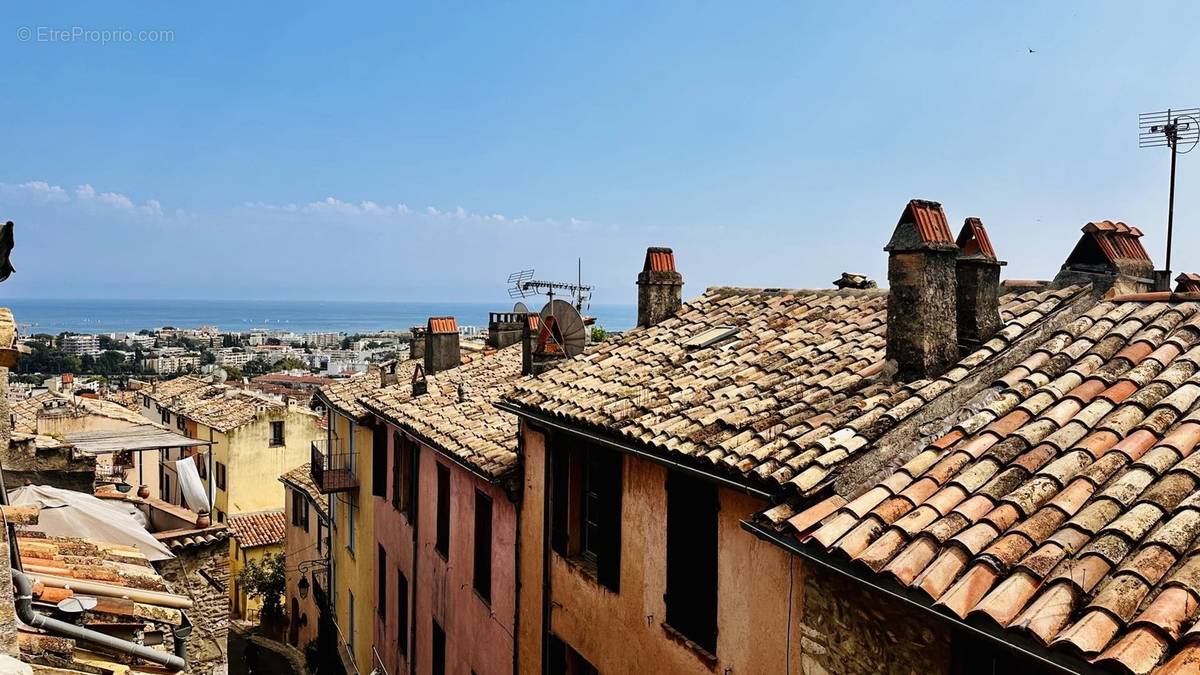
(300,316)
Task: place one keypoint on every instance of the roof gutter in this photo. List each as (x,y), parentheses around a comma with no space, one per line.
(1057,662)
(25,611)
(619,446)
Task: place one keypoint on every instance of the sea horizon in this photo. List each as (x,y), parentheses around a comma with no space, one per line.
(95,316)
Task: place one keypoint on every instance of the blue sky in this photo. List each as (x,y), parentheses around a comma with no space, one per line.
(421,151)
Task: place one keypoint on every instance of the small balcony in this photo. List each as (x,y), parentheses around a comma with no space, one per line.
(332,472)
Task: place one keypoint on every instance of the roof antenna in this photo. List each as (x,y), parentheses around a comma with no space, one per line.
(523,285)
(1169,128)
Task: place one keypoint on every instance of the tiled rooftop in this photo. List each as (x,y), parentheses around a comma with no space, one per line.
(25,412)
(1067,508)
(262,528)
(216,405)
(469,428)
(795,391)
(343,395)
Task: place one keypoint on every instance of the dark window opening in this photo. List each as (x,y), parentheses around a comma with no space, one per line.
(402,612)
(586,508)
(277,433)
(396,470)
(483,546)
(692,559)
(439,649)
(220,476)
(408,494)
(443,511)
(379,462)
(381,592)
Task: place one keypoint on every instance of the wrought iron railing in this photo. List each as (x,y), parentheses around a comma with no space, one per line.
(332,471)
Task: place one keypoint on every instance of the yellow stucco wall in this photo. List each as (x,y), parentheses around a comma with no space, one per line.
(354,567)
(240,604)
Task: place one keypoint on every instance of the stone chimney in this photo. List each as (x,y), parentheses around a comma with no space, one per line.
(922,335)
(504,328)
(1109,256)
(416,348)
(441,345)
(529,333)
(660,287)
(978,286)
(388,374)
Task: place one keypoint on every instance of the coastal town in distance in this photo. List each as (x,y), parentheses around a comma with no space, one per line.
(611,338)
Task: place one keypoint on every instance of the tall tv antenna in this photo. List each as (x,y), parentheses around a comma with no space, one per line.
(523,285)
(1174,129)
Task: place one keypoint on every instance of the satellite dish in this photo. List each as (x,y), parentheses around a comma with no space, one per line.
(563,327)
(520,308)
(220,376)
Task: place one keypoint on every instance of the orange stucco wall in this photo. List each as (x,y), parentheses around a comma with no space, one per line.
(760,587)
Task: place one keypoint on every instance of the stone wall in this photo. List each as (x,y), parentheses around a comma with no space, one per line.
(846,629)
(202,574)
(8,610)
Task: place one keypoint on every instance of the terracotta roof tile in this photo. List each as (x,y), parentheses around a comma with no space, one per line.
(457,414)
(973,240)
(783,403)
(1079,524)
(262,528)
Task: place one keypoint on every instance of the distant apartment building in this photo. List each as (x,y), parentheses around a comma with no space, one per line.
(169,365)
(81,345)
(229,356)
(256,338)
(323,340)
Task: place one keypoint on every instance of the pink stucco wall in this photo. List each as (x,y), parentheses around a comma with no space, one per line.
(479,635)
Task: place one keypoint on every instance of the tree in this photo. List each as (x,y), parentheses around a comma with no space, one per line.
(599,334)
(257,366)
(346,343)
(232,372)
(227,340)
(207,357)
(289,363)
(107,343)
(264,578)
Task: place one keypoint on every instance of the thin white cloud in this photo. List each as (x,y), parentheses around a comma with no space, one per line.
(86,195)
(43,191)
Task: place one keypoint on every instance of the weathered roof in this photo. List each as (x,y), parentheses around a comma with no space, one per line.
(141,437)
(300,478)
(1068,507)
(469,428)
(343,395)
(215,405)
(25,412)
(261,528)
(55,563)
(796,390)
(180,540)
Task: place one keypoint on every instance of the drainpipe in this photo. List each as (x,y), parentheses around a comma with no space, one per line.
(27,614)
(415,497)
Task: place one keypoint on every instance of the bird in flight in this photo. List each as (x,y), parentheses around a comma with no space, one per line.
(1031,51)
